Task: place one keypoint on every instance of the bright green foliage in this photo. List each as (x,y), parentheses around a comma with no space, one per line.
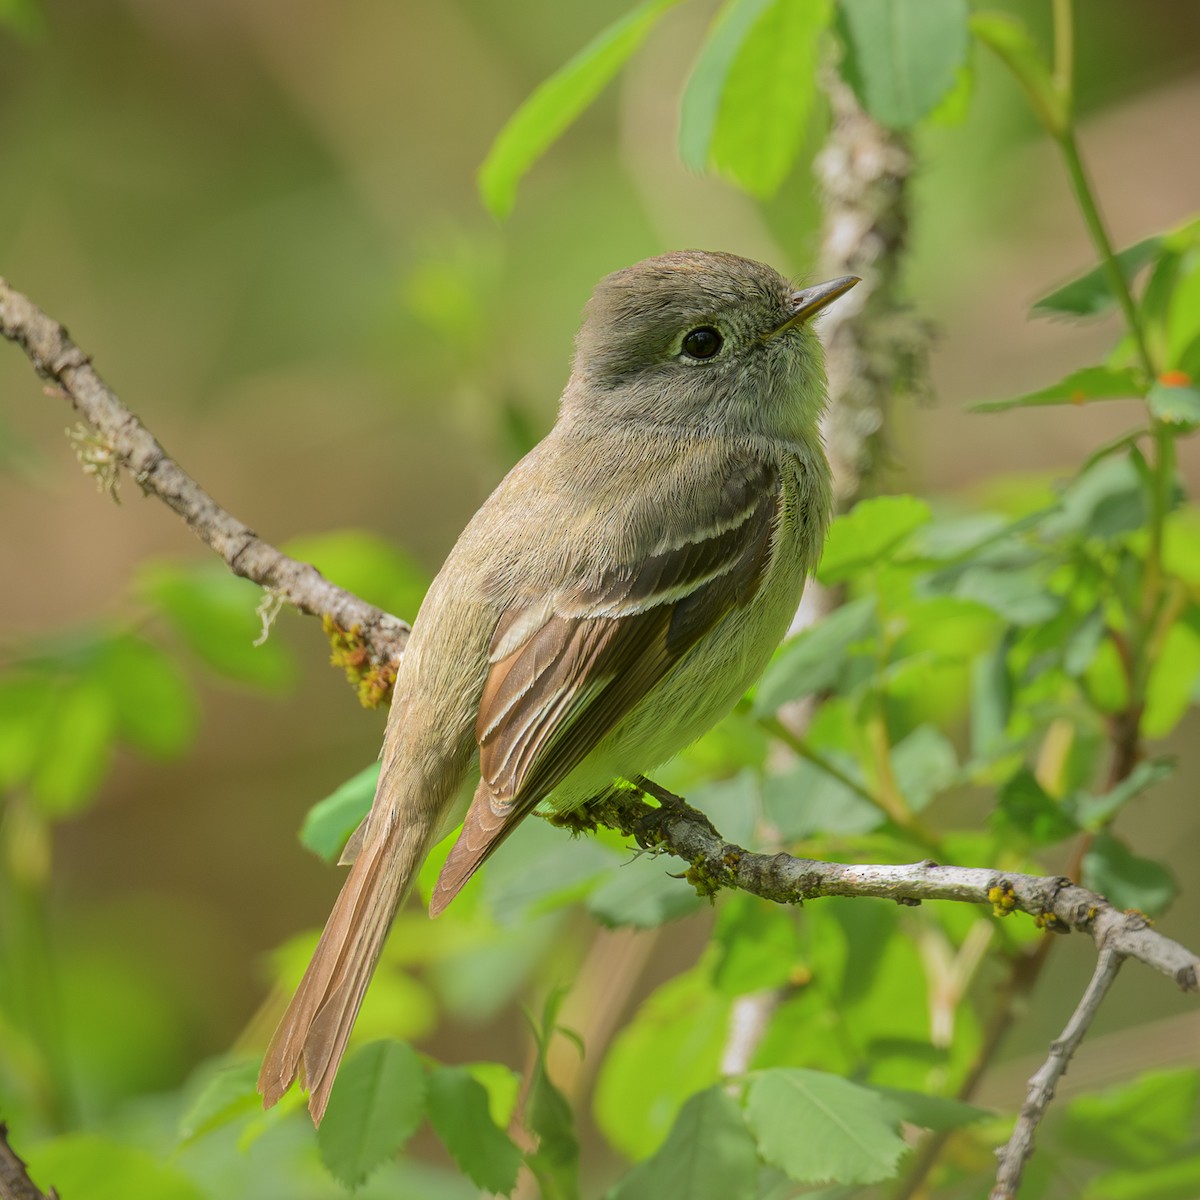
(708,1155)
(1136,1124)
(748,99)
(1090,295)
(1080,387)
(226,1093)
(680,1029)
(330,822)
(214,613)
(816,658)
(558,101)
(641,894)
(875,529)
(375,1107)
(1008,38)
(758,946)
(84,1165)
(850,1133)
(1129,881)
(548,1115)
(903,56)
(458,1111)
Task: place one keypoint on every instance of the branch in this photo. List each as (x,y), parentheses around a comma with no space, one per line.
(1053,901)
(120,438)
(15,1183)
(876,347)
(1019,1147)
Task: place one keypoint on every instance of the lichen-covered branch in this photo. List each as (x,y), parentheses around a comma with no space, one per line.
(876,347)
(116,437)
(1054,902)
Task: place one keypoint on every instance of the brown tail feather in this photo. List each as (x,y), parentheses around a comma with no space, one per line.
(484,828)
(312,1036)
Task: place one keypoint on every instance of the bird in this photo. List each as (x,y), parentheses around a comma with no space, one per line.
(611,600)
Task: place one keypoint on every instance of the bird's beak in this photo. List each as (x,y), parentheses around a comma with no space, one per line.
(811,300)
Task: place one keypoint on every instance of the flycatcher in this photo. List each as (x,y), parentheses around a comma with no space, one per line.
(611,600)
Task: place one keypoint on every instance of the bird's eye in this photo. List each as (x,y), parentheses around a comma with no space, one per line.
(703,342)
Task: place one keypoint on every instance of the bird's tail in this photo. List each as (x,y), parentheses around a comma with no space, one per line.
(311,1038)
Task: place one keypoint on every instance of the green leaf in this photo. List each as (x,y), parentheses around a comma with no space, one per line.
(1094,812)
(1019,596)
(931,1112)
(1183,315)
(555,103)
(76,750)
(850,1132)
(151,698)
(991,702)
(85,1166)
(458,1112)
(903,56)
(27,716)
(1178,1180)
(1175,403)
(708,1155)
(330,822)
(1111,868)
(681,1029)
(1104,501)
(1136,1124)
(868,533)
(374,1108)
(806,801)
(540,868)
(758,945)
(502,1084)
(642,894)
(1172,682)
(214,612)
(1083,644)
(747,101)
(701,103)
(1008,38)
(228,1093)
(1090,383)
(925,765)
(548,1115)
(1089,295)
(1181,544)
(1026,807)
(813,660)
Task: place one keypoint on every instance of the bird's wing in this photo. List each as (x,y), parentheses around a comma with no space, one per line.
(566,670)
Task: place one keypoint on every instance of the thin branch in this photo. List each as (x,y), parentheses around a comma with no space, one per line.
(15,1183)
(118,435)
(1054,902)
(1019,1147)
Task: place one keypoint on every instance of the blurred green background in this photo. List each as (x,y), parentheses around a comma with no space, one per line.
(260,218)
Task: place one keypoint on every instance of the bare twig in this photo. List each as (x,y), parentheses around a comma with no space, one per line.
(15,1183)
(1019,1147)
(1053,901)
(118,434)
